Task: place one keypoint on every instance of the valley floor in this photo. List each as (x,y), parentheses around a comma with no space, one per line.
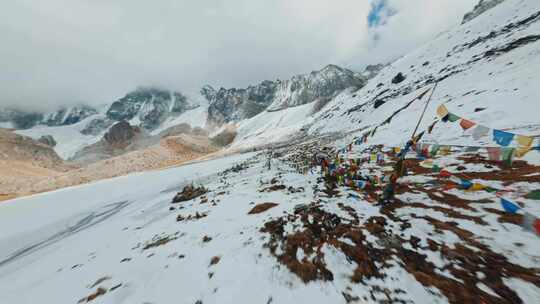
(273,235)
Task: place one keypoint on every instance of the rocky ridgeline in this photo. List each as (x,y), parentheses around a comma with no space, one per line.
(480,8)
(228,105)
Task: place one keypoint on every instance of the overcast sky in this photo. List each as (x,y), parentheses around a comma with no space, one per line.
(93,51)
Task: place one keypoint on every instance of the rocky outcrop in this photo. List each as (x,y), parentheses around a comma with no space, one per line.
(96,126)
(68,115)
(21,119)
(229,105)
(149,107)
(480,8)
(15,147)
(121,134)
(48,140)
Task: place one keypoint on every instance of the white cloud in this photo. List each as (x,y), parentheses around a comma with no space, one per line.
(65,51)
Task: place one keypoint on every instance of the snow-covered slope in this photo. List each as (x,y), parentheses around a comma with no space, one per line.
(487,71)
(69,138)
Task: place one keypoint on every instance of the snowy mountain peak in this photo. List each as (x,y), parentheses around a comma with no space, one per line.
(234,104)
(149,107)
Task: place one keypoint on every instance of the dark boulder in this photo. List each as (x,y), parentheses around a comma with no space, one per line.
(398,78)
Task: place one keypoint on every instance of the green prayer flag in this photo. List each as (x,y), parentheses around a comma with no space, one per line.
(435,168)
(534,195)
(434,150)
(453,117)
(508,155)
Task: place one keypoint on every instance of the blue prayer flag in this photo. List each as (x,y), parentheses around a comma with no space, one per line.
(509,206)
(502,138)
(466,184)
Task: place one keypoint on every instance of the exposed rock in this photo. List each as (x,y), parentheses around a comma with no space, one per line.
(96,126)
(121,134)
(480,8)
(262,208)
(68,115)
(224,138)
(21,148)
(188,193)
(182,128)
(398,78)
(48,140)
(151,106)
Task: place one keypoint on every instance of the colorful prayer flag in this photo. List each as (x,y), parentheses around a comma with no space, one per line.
(465,184)
(466,124)
(531,223)
(453,117)
(477,187)
(479,132)
(442,111)
(534,195)
(494,153)
(434,150)
(509,206)
(525,141)
(522,151)
(502,138)
(507,155)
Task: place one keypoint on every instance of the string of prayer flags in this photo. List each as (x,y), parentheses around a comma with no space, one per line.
(479,132)
(466,124)
(509,206)
(502,138)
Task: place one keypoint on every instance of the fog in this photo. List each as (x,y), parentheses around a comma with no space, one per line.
(59,52)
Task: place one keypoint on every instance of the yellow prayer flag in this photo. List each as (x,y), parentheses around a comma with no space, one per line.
(476,187)
(442,111)
(521,151)
(397,150)
(444,150)
(525,141)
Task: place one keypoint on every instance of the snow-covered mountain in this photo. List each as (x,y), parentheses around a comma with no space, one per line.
(233,105)
(149,107)
(263,230)
(486,70)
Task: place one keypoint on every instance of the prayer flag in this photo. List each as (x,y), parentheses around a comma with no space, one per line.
(535,195)
(531,223)
(465,184)
(466,124)
(509,206)
(444,174)
(442,111)
(477,187)
(444,150)
(525,141)
(479,132)
(502,138)
(453,117)
(508,155)
(434,150)
(522,151)
(494,153)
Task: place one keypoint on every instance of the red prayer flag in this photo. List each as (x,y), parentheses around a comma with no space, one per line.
(466,124)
